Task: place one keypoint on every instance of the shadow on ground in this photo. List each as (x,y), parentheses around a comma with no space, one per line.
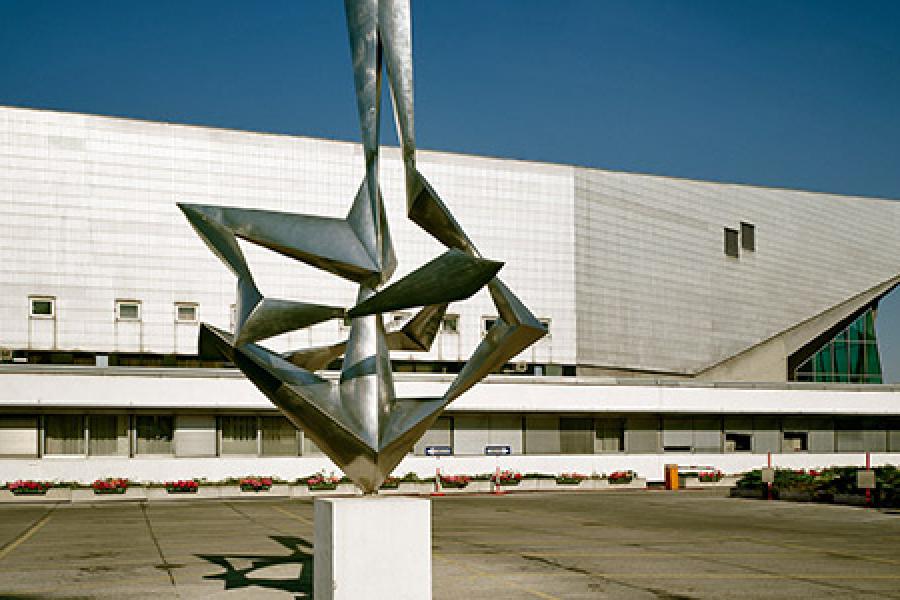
(234,578)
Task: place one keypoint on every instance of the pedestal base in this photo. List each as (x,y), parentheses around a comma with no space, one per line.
(372,547)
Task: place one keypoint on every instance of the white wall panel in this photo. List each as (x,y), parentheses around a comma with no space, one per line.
(195,435)
(18,435)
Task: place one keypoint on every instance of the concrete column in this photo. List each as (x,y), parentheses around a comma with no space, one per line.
(372,547)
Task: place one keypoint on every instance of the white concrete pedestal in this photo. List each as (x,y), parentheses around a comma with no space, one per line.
(372,547)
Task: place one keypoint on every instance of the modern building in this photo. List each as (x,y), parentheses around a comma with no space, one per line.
(692,322)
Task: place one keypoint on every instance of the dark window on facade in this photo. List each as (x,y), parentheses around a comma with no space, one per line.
(748,237)
(185,312)
(487,323)
(738,442)
(795,441)
(450,324)
(42,308)
(154,434)
(731,242)
(576,435)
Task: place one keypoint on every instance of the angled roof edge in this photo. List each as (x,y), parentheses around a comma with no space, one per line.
(767,360)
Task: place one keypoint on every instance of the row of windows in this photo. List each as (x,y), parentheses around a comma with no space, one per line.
(735,240)
(151,435)
(449,324)
(126,435)
(649,434)
(44,307)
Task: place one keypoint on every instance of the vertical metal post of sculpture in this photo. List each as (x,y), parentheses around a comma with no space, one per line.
(358,421)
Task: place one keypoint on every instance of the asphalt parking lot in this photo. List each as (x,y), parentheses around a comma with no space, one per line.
(566,545)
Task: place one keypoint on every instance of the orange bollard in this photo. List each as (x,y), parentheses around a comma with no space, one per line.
(672,482)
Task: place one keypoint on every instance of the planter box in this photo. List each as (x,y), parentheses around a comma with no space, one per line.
(693,483)
(203,492)
(87,495)
(636,483)
(796,495)
(342,489)
(853,499)
(572,484)
(747,493)
(481,487)
(530,485)
(415,487)
(278,490)
(52,495)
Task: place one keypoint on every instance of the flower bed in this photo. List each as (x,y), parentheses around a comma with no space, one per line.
(620,477)
(455,481)
(320,482)
(390,483)
(506,477)
(28,487)
(710,476)
(570,478)
(834,484)
(110,486)
(256,484)
(188,486)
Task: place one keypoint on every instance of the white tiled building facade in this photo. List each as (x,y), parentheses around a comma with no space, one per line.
(633,274)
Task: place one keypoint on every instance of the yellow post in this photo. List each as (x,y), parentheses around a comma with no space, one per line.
(671,477)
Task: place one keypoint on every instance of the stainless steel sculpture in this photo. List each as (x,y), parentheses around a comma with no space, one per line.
(358,421)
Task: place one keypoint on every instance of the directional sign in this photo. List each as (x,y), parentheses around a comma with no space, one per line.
(496,450)
(438,451)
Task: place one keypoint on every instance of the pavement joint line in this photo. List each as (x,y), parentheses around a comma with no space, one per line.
(293,515)
(159,551)
(25,535)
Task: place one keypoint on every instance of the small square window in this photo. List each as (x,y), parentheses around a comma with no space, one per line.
(42,307)
(748,237)
(128,310)
(731,242)
(450,324)
(185,312)
(398,317)
(486,324)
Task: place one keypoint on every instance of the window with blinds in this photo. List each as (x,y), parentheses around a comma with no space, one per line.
(153,434)
(576,435)
(279,437)
(609,435)
(108,435)
(64,434)
(238,435)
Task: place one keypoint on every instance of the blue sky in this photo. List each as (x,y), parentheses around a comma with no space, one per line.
(789,94)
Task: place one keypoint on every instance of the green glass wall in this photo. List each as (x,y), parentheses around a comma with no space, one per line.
(851,357)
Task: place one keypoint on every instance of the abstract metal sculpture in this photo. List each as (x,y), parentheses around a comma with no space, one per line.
(358,421)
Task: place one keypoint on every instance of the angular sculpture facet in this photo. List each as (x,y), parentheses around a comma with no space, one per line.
(358,421)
